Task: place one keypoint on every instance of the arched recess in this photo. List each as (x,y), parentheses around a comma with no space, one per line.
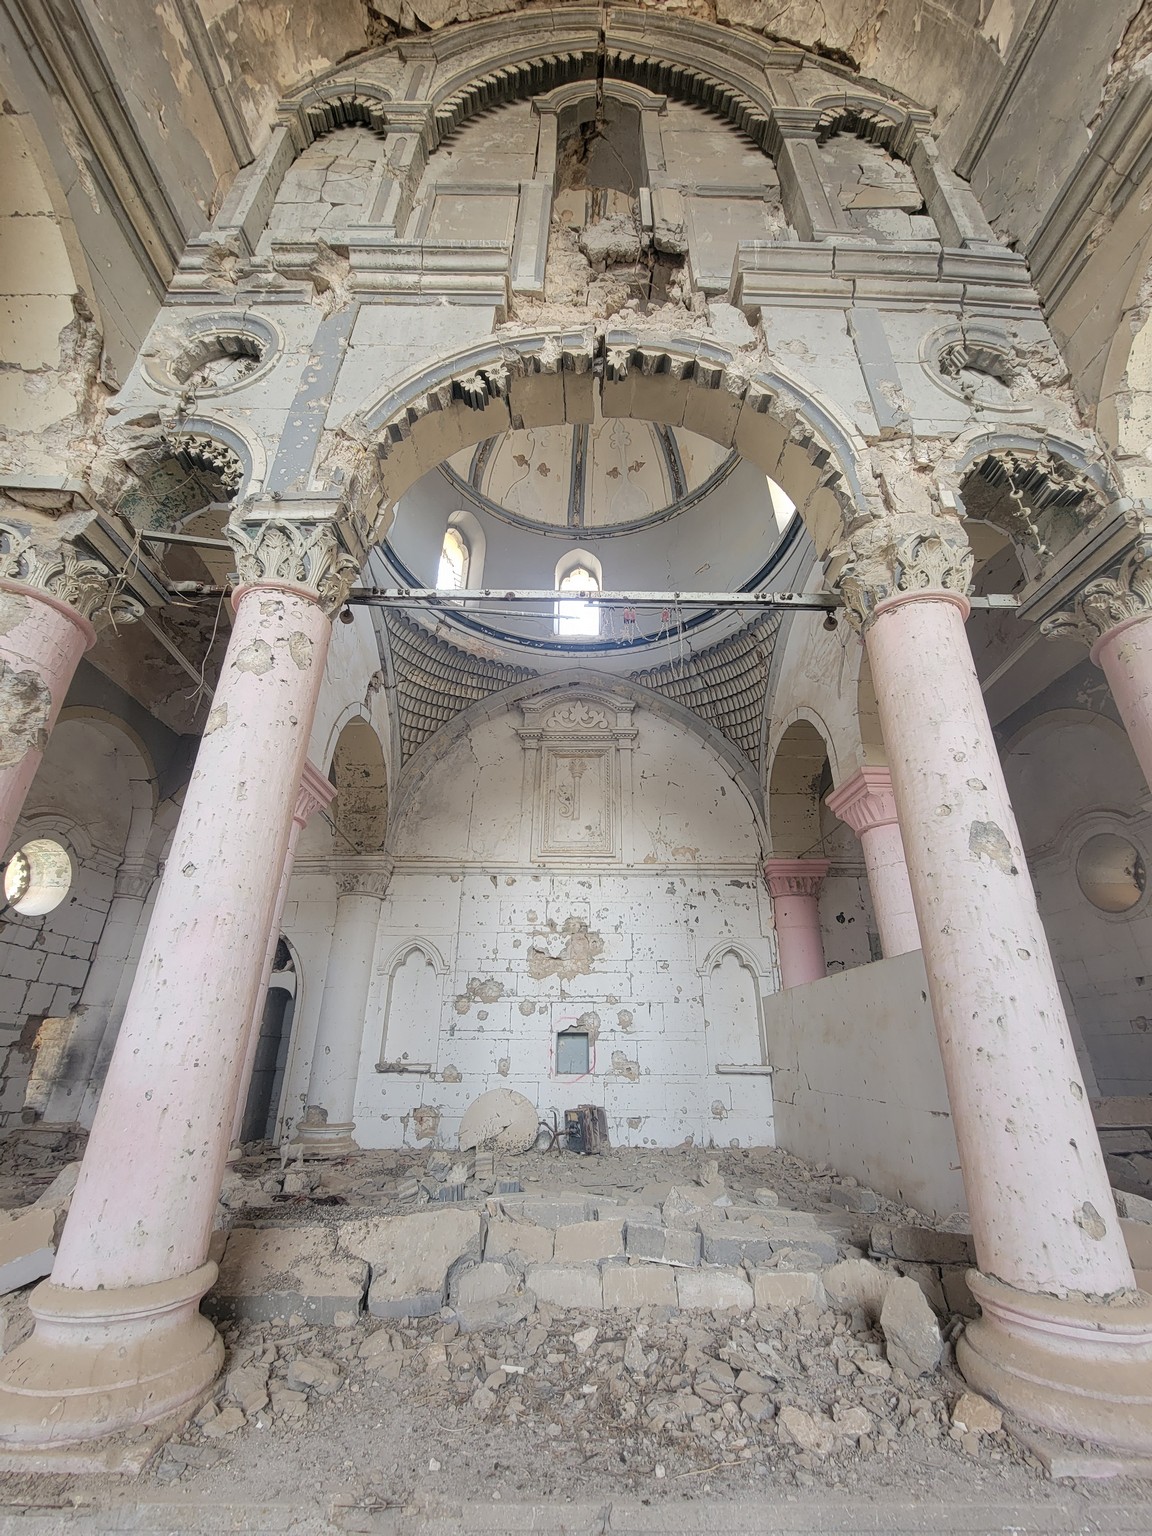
(800,776)
(549,378)
(733,1006)
(733,762)
(269,1066)
(412,1007)
(359,813)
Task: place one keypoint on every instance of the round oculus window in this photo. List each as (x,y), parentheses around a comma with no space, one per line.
(1110,872)
(37,877)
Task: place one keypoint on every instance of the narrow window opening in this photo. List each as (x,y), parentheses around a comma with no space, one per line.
(575,616)
(572,1054)
(452,574)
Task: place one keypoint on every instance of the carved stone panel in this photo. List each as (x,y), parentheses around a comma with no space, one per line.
(574,747)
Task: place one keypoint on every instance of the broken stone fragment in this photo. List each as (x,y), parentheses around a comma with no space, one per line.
(855,1283)
(411,1257)
(499,1121)
(911,1337)
(276,1273)
(27,1248)
(977,1415)
(314,1373)
(807,1431)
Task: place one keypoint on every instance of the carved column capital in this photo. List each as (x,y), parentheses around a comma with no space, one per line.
(865,800)
(315,792)
(905,555)
(1106,601)
(58,569)
(795,877)
(307,551)
(134,878)
(364,875)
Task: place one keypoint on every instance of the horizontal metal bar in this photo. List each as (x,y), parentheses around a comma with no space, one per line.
(153,536)
(819,602)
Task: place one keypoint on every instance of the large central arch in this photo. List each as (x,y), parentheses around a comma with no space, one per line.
(549,378)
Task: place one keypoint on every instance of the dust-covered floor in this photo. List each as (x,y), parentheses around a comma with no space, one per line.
(360,1425)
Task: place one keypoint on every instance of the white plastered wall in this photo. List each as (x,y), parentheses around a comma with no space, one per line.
(625,946)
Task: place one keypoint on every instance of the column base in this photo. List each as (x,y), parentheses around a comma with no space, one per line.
(329,1139)
(1079,1368)
(104,1361)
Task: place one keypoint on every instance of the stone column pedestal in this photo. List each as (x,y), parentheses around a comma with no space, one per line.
(794,885)
(119,1340)
(327,1127)
(316,790)
(1060,1309)
(866,803)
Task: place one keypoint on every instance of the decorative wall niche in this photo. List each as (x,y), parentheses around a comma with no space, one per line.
(578,762)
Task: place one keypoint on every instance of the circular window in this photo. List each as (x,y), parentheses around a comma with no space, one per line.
(212,356)
(1110,871)
(37,877)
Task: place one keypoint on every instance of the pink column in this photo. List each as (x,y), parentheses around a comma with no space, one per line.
(49,594)
(1113,615)
(1063,1339)
(41,643)
(794,885)
(866,803)
(119,1339)
(315,791)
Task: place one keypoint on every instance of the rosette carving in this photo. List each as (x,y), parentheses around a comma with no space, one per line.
(897,555)
(85,583)
(302,554)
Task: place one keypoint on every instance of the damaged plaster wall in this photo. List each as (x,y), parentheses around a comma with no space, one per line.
(486,956)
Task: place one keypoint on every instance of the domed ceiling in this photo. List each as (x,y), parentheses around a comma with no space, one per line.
(609,477)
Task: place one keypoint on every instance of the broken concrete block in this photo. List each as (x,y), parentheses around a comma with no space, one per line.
(922,1245)
(628,1286)
(532,1243)
(857,1283)
(567,1285)
(911,1338)
(713,1290)
(680,1209)
(854,1199)
(977,1415)
(270,1274)
(483,1282)
(501,1312)
(315,1373)
(810,1432)
(499,1121)
(736,1242)
(773,1289)
(27,1248)
(547,1211)
(1134,1207)
(587,1242)
(248,1387)
(411,1257)
(661,1245)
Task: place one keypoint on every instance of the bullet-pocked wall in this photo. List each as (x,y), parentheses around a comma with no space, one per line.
(576,913)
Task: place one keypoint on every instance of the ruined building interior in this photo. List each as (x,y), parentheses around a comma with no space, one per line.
(559,557)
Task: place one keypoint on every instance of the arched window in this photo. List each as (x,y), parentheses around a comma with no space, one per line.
(574,616)
(452,574)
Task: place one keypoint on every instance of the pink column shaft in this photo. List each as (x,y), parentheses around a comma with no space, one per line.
(315,791)
(143,1207)
(866,803)
(1125,653)
(41,643)
(1039,1199)
(794,885)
